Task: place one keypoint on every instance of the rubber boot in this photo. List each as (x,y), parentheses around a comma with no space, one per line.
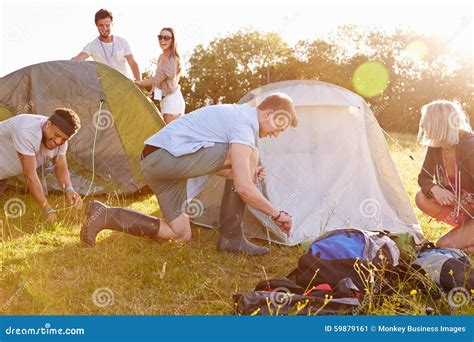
(231,235)
(100,217)
(3,186)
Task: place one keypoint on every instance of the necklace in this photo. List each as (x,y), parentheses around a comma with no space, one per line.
(105,53)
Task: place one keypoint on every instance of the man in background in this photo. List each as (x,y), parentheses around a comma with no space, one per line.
(109,49)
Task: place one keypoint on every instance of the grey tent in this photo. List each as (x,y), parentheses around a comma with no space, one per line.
(105,155)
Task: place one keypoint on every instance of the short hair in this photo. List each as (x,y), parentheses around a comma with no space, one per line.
(282,103)
(69,116)
(441,122)
(102,14)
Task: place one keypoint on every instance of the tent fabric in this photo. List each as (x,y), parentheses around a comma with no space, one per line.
(332,171)
(115,135)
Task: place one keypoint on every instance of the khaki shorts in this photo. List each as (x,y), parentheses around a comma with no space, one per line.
(167,175)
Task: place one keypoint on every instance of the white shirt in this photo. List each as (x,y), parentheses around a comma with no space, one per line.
(228,123)
(23,133)
(113,54)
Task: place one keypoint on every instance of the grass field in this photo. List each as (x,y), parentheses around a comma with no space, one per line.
(45,270)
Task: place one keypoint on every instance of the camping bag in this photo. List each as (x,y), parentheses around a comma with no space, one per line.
(282,296)
(334,255)
(447,267)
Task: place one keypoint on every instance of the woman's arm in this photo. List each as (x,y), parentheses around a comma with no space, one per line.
(144,83)
(426,176)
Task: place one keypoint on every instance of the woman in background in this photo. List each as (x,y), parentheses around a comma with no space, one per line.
(165,84)
(447,176)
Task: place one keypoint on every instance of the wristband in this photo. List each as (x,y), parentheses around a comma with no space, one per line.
(69,188)
(279,214)
(274,218)
(49,210)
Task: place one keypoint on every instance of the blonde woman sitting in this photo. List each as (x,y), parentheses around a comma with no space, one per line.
(447,176)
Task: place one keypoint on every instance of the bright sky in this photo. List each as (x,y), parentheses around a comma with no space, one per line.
(37,31)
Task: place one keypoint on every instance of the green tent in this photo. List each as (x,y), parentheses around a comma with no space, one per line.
(116,119)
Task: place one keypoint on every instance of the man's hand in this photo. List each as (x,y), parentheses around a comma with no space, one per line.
(51,217)
(74,199)
(260,173)
(284,222)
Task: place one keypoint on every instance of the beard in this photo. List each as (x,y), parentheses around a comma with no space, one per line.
(44,140)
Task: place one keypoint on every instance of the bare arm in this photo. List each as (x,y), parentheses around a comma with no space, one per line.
(62,175)
(28,163)
(134,66)
(240,160)
(61,171)
(80,57)
(145,83)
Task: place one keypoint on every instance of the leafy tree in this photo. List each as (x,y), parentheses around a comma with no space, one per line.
(420,69)
(230,66)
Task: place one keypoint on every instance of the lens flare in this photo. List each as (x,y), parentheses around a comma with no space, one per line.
(370,79)
(416,51)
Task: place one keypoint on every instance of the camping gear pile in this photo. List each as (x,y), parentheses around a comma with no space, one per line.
(343,267)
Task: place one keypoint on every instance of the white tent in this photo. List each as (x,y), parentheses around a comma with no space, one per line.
(332,171)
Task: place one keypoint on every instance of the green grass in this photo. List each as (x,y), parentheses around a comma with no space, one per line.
(45,270)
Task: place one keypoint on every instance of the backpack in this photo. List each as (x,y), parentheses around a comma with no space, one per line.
(282,296)
(345,253)
(446,267)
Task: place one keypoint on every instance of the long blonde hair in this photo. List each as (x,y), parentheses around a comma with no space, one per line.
(174,49)
(441,123)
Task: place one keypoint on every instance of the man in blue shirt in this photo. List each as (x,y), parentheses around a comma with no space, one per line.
(220,140)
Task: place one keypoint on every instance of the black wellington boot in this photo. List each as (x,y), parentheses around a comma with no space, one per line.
(100,216)
(3,186)
(231,235)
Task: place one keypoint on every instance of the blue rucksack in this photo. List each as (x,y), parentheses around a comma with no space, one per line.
(345,253)
(446,267)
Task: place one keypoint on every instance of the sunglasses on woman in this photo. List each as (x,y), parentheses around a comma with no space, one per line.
(165,38)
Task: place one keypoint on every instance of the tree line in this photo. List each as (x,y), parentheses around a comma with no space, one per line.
(418,69)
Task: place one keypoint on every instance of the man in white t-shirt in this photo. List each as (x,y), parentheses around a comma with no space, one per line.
(109,49)
(29,141)
(221,140)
